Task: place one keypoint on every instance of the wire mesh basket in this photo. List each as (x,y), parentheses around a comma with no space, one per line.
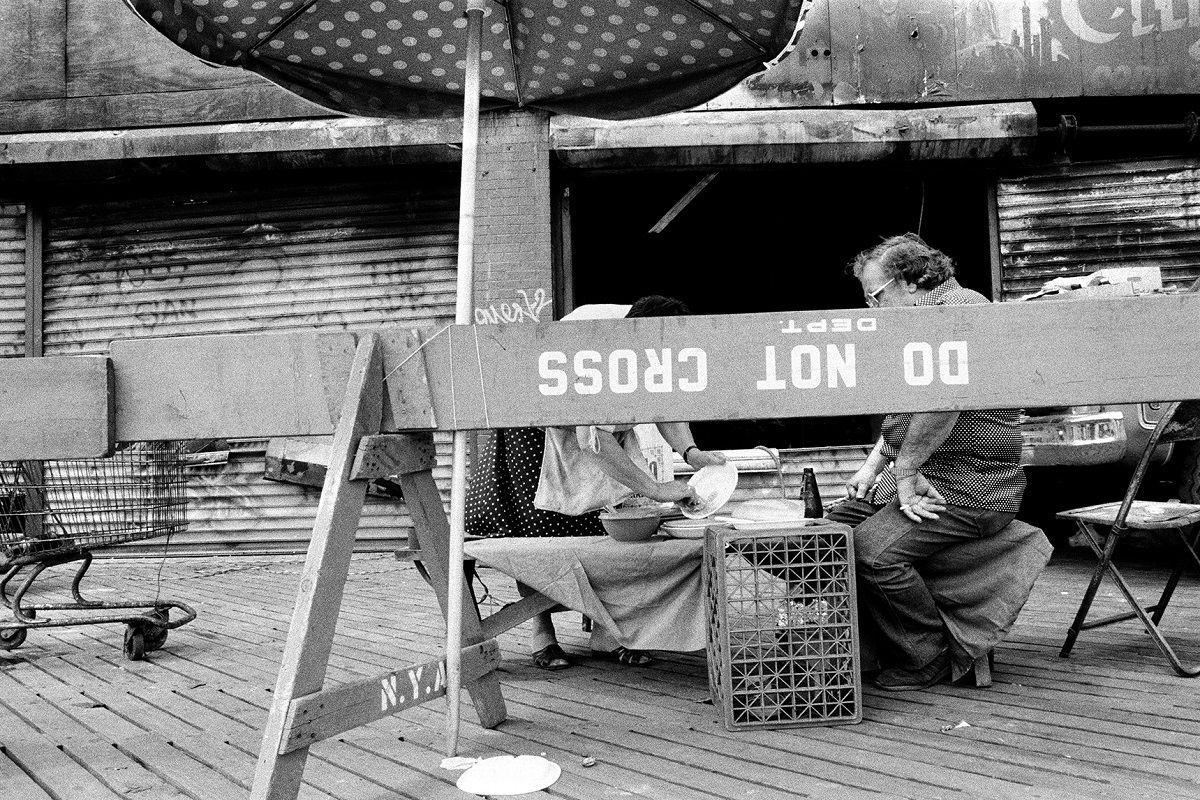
(783,638)
(52,507)
(56,512)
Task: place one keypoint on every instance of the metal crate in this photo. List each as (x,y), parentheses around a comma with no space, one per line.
(782,625)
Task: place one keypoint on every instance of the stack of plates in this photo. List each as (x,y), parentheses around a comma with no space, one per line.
(687,528)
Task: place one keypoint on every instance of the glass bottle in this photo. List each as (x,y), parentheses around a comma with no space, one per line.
(812,495)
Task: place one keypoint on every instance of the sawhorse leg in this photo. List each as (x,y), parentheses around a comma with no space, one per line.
(301,712)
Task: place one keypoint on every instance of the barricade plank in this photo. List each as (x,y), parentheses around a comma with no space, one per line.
(56,407)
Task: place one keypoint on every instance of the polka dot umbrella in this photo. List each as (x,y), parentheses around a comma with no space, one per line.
(612,59)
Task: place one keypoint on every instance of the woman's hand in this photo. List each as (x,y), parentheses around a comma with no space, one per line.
(673,492)
(859,485)
(919,500)
(704,458)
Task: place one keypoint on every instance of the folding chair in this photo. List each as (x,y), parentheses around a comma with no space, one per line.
(1180,422)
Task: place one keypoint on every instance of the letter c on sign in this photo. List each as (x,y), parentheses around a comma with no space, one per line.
(546,363)
(700,382)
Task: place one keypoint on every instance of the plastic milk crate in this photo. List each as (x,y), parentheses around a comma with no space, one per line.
(782,616)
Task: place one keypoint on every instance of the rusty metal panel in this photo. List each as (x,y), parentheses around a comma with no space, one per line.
(12,280)
(1075,219)
(914,51)
(264,258)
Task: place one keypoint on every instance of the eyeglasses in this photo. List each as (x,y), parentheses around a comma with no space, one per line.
(873,297)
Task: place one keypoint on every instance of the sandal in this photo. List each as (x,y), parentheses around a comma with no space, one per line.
(623,655)
(551,657)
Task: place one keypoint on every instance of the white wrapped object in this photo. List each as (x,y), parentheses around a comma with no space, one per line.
(507,775)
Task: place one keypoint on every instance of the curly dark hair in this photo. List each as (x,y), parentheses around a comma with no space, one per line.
(657,305)
(908,258)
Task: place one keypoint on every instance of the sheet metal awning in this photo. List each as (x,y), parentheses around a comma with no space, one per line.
(793,136)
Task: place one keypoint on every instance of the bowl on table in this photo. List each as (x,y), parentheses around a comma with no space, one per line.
(636,524)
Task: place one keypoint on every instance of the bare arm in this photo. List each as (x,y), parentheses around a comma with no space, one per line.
(858,486)
(918,498)
(679,436)
(616,464)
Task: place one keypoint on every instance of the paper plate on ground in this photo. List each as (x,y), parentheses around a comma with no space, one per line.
(714,486)
(505,775)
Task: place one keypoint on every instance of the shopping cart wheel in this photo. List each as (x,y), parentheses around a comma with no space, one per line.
(12,638)
(156,634)
(135,643)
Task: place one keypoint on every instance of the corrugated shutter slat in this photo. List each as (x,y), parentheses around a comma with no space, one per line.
(12,280)
(261,258)
(1073,220)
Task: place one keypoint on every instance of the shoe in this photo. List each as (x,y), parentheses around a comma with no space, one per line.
(909,680)
(551,657)
(623,655)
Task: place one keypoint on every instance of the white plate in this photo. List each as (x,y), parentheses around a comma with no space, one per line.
(771,525)
(714,485)
(505,775)
(768,509)
(689,528)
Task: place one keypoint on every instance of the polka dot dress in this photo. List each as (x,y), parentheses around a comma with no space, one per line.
(397,57)
(504,479)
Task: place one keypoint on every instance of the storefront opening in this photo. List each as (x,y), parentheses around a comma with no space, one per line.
(758,240)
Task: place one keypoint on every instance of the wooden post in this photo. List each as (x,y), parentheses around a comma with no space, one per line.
(310,636)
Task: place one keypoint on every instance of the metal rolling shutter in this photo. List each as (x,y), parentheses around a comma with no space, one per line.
(12,280)
(257,258)
(1078,218)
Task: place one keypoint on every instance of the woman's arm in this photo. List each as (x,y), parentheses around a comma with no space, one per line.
(616,464)
(679,436)
(918,498)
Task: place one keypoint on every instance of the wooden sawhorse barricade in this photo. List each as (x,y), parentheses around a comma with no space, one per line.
(382,395)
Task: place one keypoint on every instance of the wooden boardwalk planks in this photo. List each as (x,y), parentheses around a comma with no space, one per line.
(79,721)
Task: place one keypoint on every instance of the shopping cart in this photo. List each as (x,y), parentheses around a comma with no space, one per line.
(57,512)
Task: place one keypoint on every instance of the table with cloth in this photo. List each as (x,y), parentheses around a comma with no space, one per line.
(647,594)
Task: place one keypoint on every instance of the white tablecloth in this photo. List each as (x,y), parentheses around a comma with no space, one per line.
(647,594)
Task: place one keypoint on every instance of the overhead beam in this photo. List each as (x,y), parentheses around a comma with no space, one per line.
(797,136)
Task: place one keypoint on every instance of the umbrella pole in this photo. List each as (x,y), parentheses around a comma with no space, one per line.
(463,315)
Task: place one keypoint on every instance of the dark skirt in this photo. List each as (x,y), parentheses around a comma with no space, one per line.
(504,480)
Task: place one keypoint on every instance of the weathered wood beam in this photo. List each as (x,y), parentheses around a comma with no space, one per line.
(816,363)
(743,366)
(327,713)
(393,454)
(792,136)
(56,407)
(239,138)
(219,387)
(514,614)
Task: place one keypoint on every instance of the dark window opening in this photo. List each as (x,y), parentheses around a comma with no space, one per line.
(760,240)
